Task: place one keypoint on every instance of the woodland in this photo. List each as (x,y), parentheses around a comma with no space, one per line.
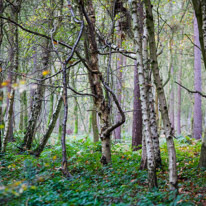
(102,102)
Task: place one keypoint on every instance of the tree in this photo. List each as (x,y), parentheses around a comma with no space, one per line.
(117,131)
(161,96)
(14,66)
(137,114)
(197,127)
(96,81)
(1,75)
(151,165)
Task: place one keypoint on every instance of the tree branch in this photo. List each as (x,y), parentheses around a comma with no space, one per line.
(120,122)
(190,91)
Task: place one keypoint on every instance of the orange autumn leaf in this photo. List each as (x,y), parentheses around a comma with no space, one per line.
(45,72)
(4,84)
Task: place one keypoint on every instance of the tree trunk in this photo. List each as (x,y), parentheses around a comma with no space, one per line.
(143,164)
(161,96)
(37,100)
(96,80)
(76,121)
(172,100)
(202,162)
(14,65)
(21,120)
(150,100)
(137,114)
(117,131)
(95,125)
(197,125)
(200,13)
(51,102)
(1,76)
(179,97)
(51,126)
(25,109)
(151,166)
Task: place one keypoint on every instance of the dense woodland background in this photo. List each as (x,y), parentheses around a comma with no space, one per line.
(102,102)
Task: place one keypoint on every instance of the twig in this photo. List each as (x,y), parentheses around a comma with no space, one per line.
(190,91)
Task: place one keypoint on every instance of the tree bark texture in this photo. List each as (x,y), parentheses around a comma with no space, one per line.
(197,124)
(200,13)
(1,75)
(51,126)
(151,166)
(76,121)
(202,161)
(161,96)
(95,125)
(179,96)
(137,114)
(117,131)
(150,100)
(95,83)
(37,99)
(137,126)
(14,65)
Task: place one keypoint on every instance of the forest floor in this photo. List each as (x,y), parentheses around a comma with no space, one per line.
(26,180)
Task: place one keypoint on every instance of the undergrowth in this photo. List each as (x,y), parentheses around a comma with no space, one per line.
(26,180)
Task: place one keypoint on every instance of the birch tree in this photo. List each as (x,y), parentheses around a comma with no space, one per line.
(151,165)
(169,133)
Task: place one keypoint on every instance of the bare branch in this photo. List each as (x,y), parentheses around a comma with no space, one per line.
(192,92)
(120,122)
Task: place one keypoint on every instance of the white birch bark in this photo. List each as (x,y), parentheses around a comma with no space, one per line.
(151,102)
(162,99)
(143,95)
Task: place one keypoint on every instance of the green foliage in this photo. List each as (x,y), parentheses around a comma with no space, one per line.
(39,181)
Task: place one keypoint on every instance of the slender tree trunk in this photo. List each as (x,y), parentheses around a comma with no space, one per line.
(51,126)
(64,124)
(137,126)
(161,96)
(37,100)
(32,88)
(9,120)
(1,76)
(202,161)
(150,100)
(21,120)
(151,166)
(117,131)
(95,125)
(95,83)
(90,123)
(197,125)
(179,97)
(137,114)
(143,164)
(14,61)
(172,101)
(51,102)
(25,109)
(200,13)
(76,118)
(60,120)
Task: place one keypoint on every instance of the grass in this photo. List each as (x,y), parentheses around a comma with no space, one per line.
(26,180)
